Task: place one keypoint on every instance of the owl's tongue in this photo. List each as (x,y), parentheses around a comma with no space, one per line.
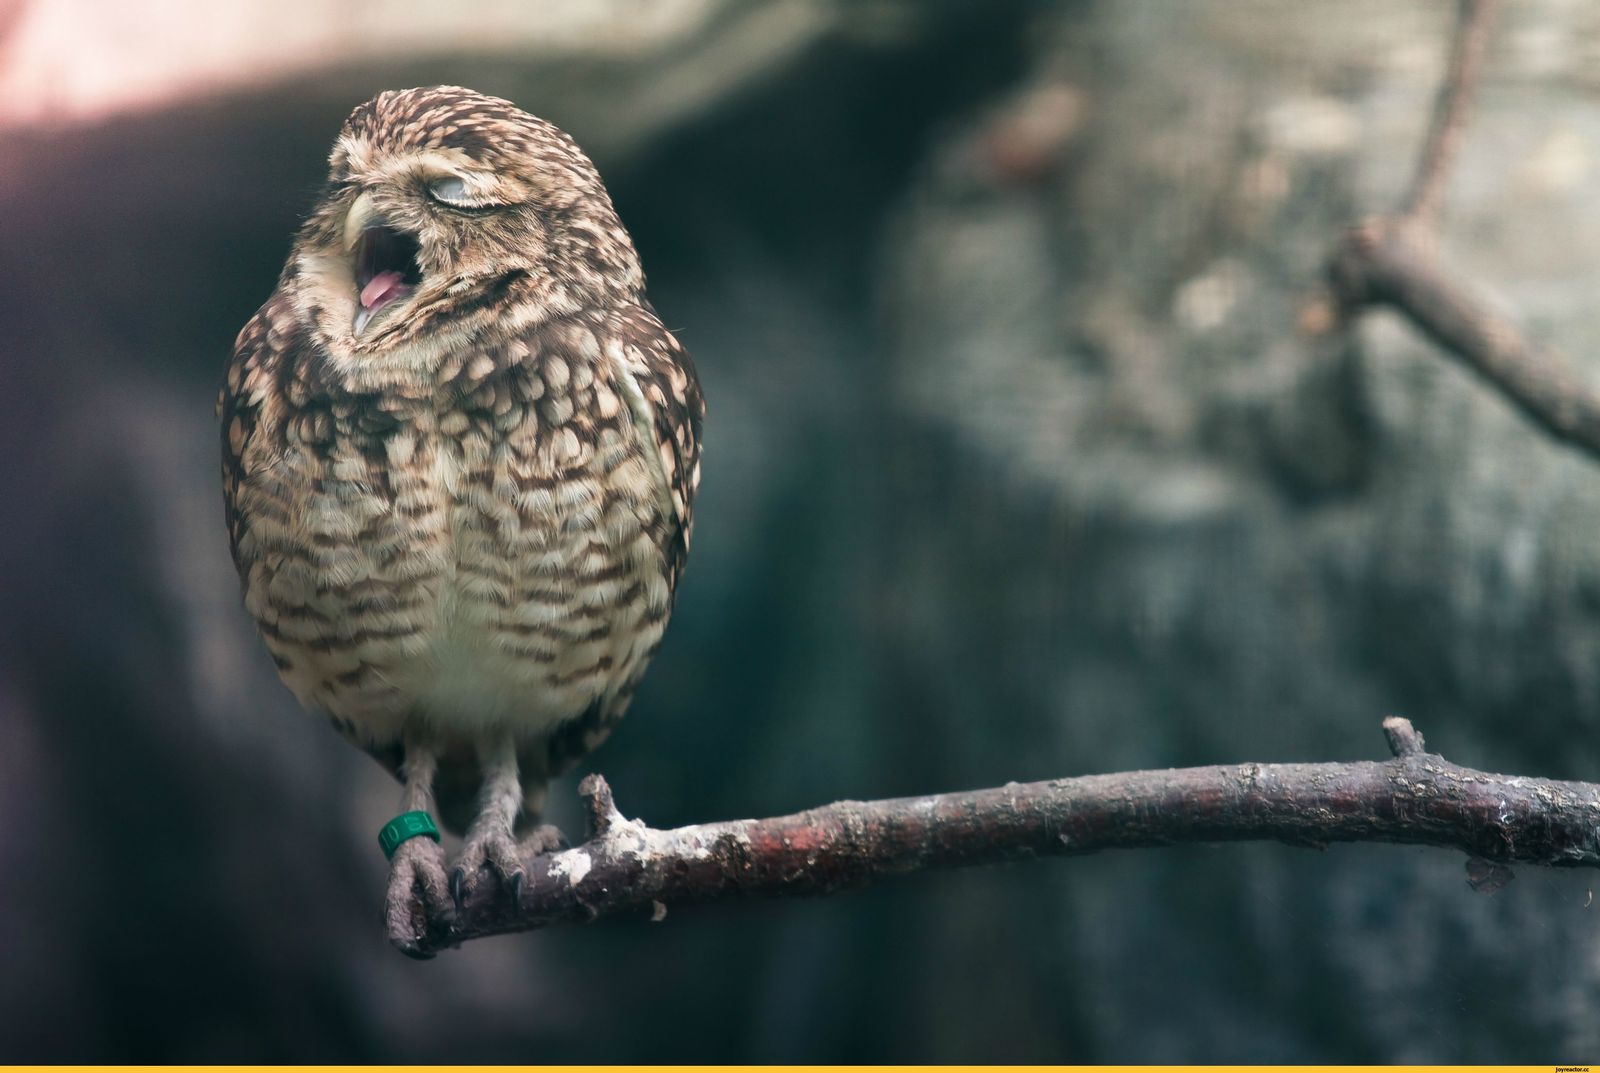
(382,289)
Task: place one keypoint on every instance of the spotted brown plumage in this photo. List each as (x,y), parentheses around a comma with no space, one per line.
(460,459)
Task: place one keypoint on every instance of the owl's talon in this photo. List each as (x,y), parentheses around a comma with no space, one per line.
(516,890)
(494,851)
(417,910)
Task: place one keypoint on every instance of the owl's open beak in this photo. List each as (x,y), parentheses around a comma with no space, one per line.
(386,268)
(362,215)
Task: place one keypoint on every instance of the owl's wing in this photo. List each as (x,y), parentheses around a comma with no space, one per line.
(674,410)
(250,411)
(662,393)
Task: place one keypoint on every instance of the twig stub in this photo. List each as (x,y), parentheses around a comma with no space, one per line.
(1404,739)
(599,805)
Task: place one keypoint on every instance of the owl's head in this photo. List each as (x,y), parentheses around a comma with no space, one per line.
(450,213)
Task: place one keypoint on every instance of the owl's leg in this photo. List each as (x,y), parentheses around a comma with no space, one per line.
(491,840)
(417,868)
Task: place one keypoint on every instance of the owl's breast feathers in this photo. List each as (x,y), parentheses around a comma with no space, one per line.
(499,546)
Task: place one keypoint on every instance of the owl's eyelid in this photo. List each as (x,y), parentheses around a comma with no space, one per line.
(451,191)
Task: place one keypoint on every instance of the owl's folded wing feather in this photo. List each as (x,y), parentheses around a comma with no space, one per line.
(673,411)
(250,413)
(663,392)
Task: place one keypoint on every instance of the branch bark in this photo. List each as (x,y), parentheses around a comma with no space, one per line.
(1416,798)
(1393,261)
(1474,22)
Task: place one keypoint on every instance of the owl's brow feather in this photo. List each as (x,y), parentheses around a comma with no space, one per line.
(334,188)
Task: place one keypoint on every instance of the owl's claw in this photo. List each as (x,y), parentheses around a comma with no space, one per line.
(417,908)
(497,851)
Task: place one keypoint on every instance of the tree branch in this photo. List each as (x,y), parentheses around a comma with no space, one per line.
(1393,261)
(1474,21)
(1416,798)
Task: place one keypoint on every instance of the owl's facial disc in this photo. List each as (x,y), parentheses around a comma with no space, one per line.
(386,271)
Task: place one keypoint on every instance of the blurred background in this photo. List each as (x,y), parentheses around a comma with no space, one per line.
(1017,466)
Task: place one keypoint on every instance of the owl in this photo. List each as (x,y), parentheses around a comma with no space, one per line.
(460,456)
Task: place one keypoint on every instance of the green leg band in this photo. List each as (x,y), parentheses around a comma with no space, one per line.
(405,826)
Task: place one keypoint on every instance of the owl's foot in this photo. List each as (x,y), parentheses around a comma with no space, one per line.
(492,847)
(504,856)
(417,907)
(546,838)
